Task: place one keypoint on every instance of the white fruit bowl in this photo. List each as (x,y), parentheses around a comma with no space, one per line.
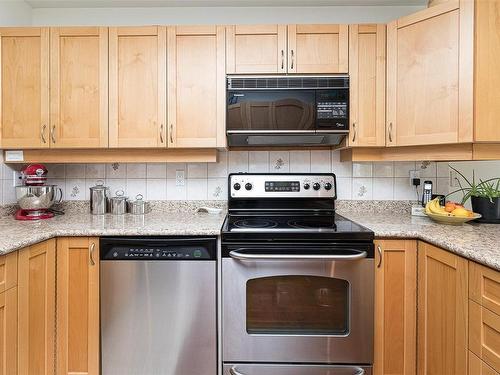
(452,220)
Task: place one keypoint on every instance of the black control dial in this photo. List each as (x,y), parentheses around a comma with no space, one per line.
(236,186)
(328,186)
(248,186)
(316,186)
(306,186)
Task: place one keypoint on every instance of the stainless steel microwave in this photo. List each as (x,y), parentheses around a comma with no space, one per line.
(287,110)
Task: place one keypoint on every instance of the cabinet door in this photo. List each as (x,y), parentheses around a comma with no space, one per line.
(395,307)
(256,49)
(367,84)
(318,49)
(429,82)
(36,309)
(487,74)
(137,86)
(79,87)
(478,367)
(196,86)
(77,306)
(24,82)
(442,312)
(8,332)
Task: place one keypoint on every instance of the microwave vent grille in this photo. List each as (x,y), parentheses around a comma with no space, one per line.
(247,83)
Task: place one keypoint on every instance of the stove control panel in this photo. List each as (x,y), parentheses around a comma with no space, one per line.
(244,185)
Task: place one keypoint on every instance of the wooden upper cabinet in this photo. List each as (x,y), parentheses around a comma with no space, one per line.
(256,49)
(196,86)
(79,87)
(36,307)
(77,306)
(442,312)
(430,76)
(137,86)
(487,74)
(24,82)
(367,64)
(320,49)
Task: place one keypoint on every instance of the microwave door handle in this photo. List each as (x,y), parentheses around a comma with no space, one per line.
(235,254)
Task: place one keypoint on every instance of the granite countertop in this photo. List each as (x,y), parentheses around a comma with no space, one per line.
(477,242)
(15,234)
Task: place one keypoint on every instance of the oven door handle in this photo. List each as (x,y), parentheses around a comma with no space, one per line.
(358,371)
(237,254)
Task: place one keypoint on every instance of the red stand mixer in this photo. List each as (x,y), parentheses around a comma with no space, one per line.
(35,197)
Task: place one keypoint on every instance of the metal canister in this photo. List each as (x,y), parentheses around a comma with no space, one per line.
(138,206)
(118,203)
(99,198)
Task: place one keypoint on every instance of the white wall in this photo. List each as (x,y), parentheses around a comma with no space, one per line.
(14,13)
(218,15)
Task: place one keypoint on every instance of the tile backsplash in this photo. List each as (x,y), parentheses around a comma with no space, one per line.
(201,181)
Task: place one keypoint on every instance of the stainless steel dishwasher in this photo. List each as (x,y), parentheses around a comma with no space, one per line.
(158,306)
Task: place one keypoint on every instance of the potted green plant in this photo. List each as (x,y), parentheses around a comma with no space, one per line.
(484,196)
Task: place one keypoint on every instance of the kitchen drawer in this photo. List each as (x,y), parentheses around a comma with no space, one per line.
(478,367)
(484,286)
(484,334)
(8,271)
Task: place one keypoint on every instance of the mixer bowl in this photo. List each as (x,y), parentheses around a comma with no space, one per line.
(35,198)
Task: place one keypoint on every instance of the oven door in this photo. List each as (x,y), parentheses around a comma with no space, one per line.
(297,304)
(259,369)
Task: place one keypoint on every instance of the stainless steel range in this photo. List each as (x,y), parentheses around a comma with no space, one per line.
(297,280)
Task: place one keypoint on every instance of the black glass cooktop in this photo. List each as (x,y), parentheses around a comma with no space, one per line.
(257,225)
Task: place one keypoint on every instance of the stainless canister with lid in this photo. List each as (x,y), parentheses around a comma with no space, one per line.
(138,206)
(99,198)
(118,203)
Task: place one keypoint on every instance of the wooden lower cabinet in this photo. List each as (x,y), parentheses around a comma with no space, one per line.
(78,306)
(8,332)
(442,312)
(478,367)
(36,309)
(395,307)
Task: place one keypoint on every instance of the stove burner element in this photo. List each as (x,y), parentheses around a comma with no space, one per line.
(255,223)
(311,224)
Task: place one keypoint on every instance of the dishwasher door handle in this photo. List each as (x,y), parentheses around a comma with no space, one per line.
(237,254)
(356,371)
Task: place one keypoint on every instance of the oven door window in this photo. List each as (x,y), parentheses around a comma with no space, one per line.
(269,110)
(297,305)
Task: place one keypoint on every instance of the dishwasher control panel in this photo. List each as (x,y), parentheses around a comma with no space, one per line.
(158,250)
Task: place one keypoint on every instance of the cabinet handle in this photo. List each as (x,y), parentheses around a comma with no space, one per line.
(42,134)
(171,132)
(390,132)
(293,59)
(379,250)
(282,59)
(91,254)
(354,132)
(52,134)
(161,133)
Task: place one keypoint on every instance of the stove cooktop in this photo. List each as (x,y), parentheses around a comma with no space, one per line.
(281,226)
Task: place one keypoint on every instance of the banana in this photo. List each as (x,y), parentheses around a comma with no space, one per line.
(435,208)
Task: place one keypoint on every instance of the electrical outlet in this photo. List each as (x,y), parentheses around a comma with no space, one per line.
(414,174)
(180,180)
(17,178)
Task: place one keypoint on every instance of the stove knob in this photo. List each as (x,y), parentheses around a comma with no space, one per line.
(236,186)
(328,186)
(316,186)
(307,186)
(248,186)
